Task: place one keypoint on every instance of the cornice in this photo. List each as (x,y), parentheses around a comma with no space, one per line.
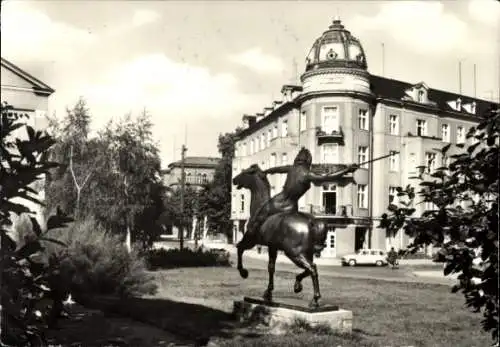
(335,71)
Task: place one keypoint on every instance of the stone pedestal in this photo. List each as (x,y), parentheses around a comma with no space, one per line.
(282,313)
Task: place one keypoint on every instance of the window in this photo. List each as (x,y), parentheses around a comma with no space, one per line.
(303,121)
(284,159)
(459,104)
(445,161)
(330,119)
(269,136)
(393,196)
(284,128)
(430,162)
(429,206)
(394,161)
(363,119)
(330,153)
(363,156)
(362,196)
(242,203)
(272,162)
(420,96)
(330,199)
(244,149)
(275,131)
(263,165)
(460,134)
(421,127)
(263,141)
(412,163)
(445,133)
(473,108)
(393,124)
(256,145)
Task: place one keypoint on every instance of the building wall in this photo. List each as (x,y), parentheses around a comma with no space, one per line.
(19,93)
(192,175)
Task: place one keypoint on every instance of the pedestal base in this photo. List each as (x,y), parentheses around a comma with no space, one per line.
(281,314)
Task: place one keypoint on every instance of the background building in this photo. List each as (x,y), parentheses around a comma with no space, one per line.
(198,171)
(29,96)
(345,115)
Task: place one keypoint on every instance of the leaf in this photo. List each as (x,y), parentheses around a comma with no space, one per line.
(36,227)
(28,249)
(49,239)
(445,149)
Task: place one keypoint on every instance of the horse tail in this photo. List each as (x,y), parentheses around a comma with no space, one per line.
(318,229)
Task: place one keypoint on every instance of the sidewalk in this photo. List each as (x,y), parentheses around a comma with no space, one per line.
(254,254)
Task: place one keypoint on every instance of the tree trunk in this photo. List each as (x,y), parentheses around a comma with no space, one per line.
(128,240)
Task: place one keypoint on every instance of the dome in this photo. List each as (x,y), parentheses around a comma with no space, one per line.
(336,48)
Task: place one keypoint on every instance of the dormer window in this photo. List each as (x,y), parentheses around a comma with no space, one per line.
(420,96)
(473,108)
(459,104)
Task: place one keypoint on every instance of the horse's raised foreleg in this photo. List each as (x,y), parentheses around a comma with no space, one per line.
(297,287)
(246,243)
(310,269)
(273,254)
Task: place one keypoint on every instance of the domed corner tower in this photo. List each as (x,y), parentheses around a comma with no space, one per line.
(336,62)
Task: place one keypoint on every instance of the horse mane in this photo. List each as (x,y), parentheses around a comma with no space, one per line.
(262,175)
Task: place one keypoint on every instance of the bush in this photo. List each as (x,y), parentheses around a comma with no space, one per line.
(175,258)
(97,262)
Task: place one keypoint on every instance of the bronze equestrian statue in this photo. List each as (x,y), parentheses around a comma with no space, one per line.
(276,222)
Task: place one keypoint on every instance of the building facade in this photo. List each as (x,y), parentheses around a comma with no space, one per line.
(198,171)
(345,115)
(30,96)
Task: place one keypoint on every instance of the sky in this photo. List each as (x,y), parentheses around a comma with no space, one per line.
(198,66)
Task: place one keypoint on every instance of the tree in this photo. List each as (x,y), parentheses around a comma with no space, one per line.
(27,279)
(129,183)
(113,177)
(464,221)
(172,203)
(216,203)
(77,155)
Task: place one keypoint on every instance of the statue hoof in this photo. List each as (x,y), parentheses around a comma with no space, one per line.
(297,288)
(267,296)
(243,273)
(314,303)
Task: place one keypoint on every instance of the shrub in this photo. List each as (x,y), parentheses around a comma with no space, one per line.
(175,258)
(97,262)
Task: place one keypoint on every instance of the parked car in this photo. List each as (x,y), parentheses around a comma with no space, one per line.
(366,257)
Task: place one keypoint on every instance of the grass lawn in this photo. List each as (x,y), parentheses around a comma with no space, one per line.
(196,302)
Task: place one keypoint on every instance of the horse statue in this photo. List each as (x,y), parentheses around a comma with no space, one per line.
(297,234)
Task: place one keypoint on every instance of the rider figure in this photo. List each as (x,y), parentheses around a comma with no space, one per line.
(298,181)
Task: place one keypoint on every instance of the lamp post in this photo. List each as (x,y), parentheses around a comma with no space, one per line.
(183,181)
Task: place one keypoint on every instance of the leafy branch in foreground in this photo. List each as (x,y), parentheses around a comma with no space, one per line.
(464,220)
(26,277)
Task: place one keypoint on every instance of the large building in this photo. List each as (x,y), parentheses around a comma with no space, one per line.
(198,171)
(30,96)
(345,115)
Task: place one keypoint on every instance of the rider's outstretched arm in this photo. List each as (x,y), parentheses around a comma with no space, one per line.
(278,169)
(316,178)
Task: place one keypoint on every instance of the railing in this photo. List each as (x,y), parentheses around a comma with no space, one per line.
(330,136)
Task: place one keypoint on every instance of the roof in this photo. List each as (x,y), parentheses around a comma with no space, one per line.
(387,88)
(38,85)
(199,162)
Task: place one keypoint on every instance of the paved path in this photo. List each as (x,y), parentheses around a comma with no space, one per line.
(332,267)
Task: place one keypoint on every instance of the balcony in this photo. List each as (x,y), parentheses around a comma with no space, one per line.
(342,211)
(335,136)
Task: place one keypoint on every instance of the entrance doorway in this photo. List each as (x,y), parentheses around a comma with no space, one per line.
(360,240)
(330,249)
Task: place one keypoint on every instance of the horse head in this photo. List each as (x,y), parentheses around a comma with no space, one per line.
(249,178)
